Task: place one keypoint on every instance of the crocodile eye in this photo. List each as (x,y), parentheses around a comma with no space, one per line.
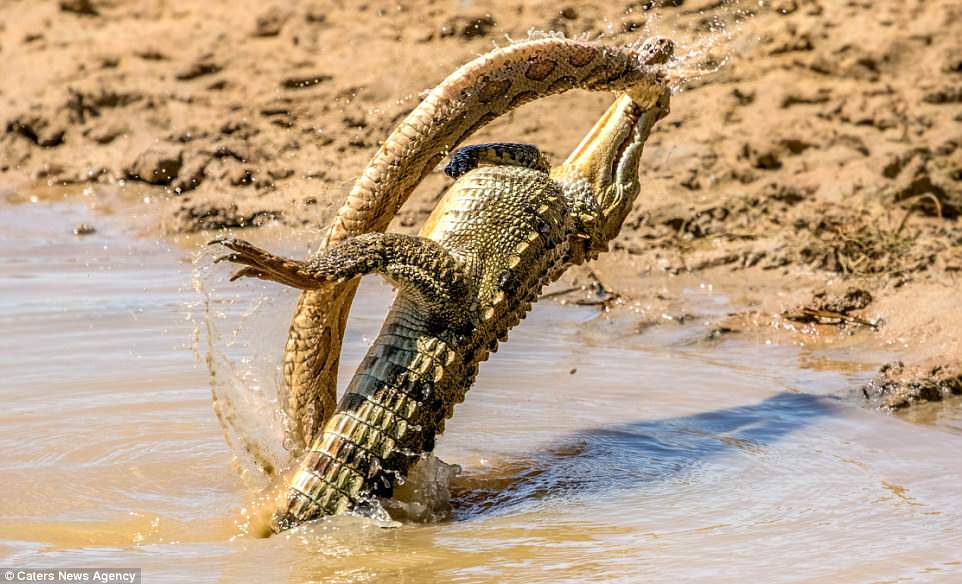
(503,278)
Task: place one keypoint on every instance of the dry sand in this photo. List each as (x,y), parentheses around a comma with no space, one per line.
(817,176)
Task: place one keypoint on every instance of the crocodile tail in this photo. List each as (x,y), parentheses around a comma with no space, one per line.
(470,98)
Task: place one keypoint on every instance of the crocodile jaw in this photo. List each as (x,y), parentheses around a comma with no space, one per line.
(604,167)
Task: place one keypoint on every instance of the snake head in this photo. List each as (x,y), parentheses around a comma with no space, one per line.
(653,54)
(656,51)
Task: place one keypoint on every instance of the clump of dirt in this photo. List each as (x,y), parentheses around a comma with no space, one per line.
(897,386)
(837,309)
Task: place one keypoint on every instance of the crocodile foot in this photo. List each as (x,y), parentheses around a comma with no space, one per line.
(264,265)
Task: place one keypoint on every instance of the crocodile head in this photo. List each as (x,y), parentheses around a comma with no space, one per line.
(602,172)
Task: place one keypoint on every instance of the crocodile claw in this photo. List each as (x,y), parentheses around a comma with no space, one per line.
(238,258)
(247,272)
(250,271)
(238,245)
(224,240)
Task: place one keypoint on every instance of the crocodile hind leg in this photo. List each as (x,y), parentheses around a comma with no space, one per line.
(499,153)
(421,268)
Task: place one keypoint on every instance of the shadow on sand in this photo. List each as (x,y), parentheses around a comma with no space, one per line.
(626,456)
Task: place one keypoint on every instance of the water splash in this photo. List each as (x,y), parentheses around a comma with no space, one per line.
(234,340)
(706,49)
(425,497)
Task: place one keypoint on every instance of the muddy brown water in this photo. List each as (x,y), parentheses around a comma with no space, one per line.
(589,452)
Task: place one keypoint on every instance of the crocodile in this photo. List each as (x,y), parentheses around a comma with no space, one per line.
(508,226)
